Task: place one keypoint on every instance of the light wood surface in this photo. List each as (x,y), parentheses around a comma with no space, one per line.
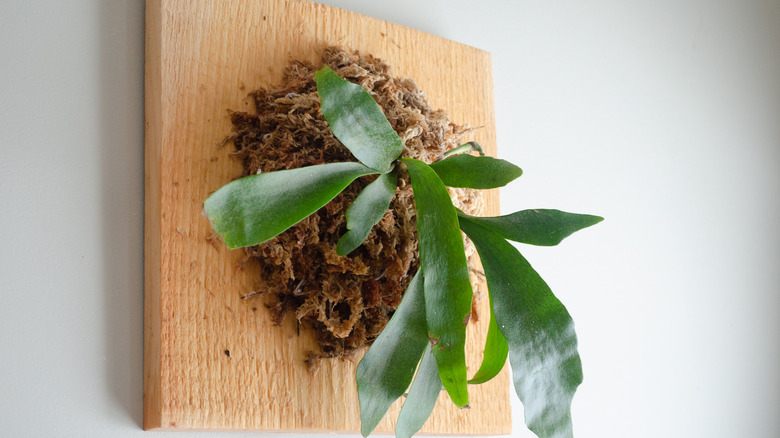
(211,360)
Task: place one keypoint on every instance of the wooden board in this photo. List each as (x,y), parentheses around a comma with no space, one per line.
(211,360)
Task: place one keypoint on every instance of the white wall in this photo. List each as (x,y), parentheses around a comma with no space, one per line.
(662,116)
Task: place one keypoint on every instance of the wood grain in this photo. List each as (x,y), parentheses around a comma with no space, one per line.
(211,360)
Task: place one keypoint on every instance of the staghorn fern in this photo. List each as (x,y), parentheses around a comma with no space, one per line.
(427,333)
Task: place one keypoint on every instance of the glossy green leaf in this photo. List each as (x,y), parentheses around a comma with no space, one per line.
(256,208)
(476,172)
(466,147)
(494,356)
(388,366)
(357,121)
(421,399)
(536,227)
(367,209)
(542,344)
(447,286)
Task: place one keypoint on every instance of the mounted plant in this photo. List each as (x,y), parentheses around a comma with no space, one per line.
(427,332)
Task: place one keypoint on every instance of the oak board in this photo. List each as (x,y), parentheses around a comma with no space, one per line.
(213,362)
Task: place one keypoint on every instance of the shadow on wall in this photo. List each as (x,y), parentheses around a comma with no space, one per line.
(121,85)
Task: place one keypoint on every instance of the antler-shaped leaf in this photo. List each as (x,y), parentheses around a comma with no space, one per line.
(422,397)
(367,209)
(447,287)
(536,227)
(542,344)
(251,210)
(494,355)
(388,366)
(476,172)
(357,121)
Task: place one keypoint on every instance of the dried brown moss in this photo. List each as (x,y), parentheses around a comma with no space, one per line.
(346,300)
